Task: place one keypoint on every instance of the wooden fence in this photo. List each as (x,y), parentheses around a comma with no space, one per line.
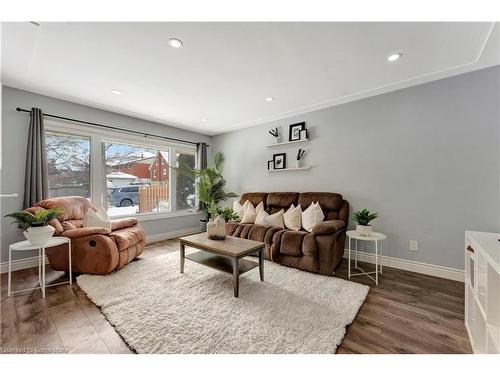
(152,198)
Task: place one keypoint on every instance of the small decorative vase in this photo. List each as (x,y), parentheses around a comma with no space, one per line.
(298,163)
(364,230)
(39,236)
(277,139)
(216,228)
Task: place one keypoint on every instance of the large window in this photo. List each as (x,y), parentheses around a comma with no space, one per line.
(68,158)
(126,174)
(134,184)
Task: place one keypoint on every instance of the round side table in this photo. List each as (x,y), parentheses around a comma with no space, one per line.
(375,237)
(26,245)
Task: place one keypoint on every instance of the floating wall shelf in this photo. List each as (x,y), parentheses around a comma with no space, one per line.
(290,169)
(289,143)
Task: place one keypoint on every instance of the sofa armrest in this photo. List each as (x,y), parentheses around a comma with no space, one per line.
(328,227)
(84,232)
(123,223)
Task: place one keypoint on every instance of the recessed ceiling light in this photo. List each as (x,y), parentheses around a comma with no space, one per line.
(394,57)
(269,99)
(204,120)
(175,43)
(116,92)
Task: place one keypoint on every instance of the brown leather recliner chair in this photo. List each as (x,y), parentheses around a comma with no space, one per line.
(95,250)
(320,251)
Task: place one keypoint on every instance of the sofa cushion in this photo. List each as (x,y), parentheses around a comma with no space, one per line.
(280,200)
(72,224)
(254,198)
(73,208)
(297,243)
(127,237)
(123,223)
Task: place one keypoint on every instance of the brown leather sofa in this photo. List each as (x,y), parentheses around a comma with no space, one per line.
(320,251)
(95,250)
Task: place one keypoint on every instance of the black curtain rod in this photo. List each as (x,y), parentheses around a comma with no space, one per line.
(111,127)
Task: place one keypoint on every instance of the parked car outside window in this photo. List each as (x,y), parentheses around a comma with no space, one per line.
(124,196)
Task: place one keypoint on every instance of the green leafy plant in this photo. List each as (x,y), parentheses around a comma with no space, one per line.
(363,217)
(227,213)
(210,183)
(41,218)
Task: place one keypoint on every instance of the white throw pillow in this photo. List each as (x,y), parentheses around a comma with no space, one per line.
(238,208)
(260,217)
(97,219)
(250,213)
(275,220)
(293,217)
(311,216)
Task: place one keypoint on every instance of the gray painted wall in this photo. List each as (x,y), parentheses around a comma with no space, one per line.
(426,158)
(14,138)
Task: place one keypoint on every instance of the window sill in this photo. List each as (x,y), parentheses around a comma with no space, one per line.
(158,216)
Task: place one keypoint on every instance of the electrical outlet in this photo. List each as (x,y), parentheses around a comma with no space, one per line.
(413,245)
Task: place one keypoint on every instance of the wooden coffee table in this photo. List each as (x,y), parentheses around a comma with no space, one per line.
(225,256)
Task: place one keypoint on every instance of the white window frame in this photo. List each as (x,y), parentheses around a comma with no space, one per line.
(100,136)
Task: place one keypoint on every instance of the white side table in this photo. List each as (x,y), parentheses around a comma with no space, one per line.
(24,246)
(375,237)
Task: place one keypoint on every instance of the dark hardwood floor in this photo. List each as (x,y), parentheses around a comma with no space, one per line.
(406,313)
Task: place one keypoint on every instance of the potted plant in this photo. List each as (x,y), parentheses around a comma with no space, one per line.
(300,156)
(363,218)
(36,226)
(209,185)
(276,134)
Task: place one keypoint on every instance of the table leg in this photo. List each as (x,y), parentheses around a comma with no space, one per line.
(10,273)
(236,276)
(43,273)
(381,257)
(40,267)
(356,254)
(182,251)
(69,257)
(349,260)
(261,264)
(376,262)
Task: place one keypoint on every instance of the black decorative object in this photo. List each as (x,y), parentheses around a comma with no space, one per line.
(300,154)
(294,132)
(270,165)
(279,161)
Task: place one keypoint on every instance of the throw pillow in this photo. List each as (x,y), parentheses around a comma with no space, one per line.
(238,208)
(250,213)
(97,219)
(275,220)
(260,217)
(293,217)
(311,216)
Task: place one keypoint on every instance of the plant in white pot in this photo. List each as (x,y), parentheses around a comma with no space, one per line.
(36,226)
(216,226)
(363,218)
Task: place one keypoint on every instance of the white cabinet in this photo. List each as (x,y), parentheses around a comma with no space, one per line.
(482,291)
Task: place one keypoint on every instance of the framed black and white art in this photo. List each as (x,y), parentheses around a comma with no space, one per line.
(294,132)
(270,165)
(279,161)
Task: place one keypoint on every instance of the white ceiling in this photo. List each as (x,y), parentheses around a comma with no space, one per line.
(225,71)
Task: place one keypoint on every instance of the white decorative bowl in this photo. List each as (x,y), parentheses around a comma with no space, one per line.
(39,236)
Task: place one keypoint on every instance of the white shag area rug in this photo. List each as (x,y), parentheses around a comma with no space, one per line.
(156,309)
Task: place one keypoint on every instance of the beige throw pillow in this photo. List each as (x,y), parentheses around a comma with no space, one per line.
(240,209)
(97,219)
(293,217)
(261,215)
(275,220)
(311,216)
(250,213)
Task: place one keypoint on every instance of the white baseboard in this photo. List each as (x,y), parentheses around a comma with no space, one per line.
(410,265)
(168,235)
(20,264)
(30,262)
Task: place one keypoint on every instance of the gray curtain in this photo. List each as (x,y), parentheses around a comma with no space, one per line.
(36,180)
(202,163)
